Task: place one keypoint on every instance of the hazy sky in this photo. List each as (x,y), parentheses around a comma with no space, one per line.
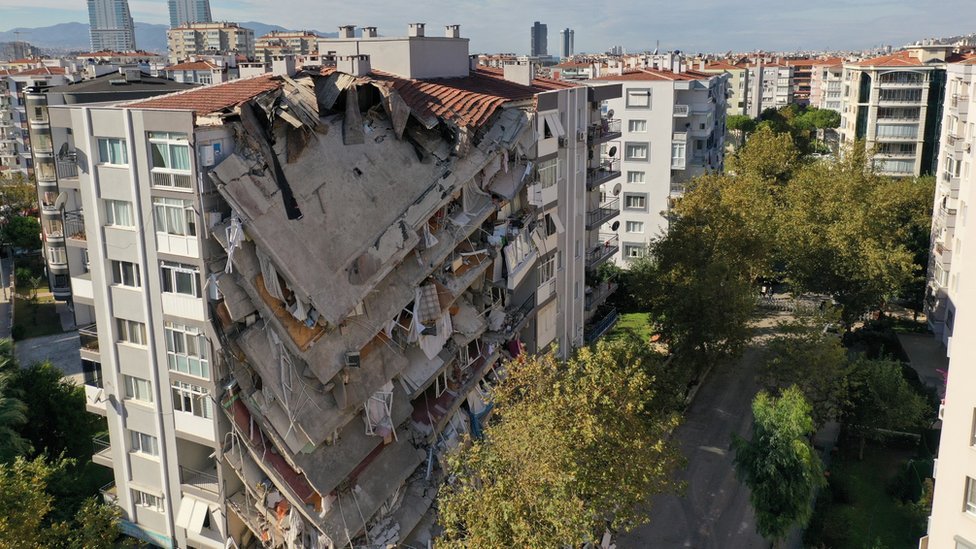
(503,25)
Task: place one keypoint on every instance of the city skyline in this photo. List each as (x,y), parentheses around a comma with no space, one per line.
(494,27)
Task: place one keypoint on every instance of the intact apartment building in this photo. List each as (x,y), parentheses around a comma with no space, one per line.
(953,521)
(894,104)
(770,86)
(56,171)
(280,43)
(15,143)
(826,84)
(738,85)
(801,79)
(222,38)
(111,26)
(301,291)
(672,130)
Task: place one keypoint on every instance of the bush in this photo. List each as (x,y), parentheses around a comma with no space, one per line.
(840,491)
(876,339)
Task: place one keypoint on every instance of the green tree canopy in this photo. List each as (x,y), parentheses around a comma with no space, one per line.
(768,156)
(740,123)
(779,465)
(883,400)
(22,232)
(576,446)
(13,415)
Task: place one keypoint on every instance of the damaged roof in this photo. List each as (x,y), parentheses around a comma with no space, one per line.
(211,99)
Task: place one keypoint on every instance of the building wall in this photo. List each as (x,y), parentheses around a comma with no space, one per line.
(111,24)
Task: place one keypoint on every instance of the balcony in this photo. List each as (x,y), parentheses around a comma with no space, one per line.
(602,213)
(74,225)
(681,110)
(607,170)
(599,294)
(203,484)
(960,103)
(596,330)
(679,162)
(958,144)
(609,244)
(67,169)
(110,494)
(605,130)
(171,180)
(88,335)
(102,450)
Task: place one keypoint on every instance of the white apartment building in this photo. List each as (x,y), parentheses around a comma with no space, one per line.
(15,150)
(955,171)
(892,103)
(826,84)
(194,39)
(953,521)
(738,85)
(672,130)
(280,43)
(770,86)
(286,338)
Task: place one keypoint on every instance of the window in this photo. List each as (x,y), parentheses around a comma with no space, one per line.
(138,389)
(632,251)
(635,201)
(170,152)
(112,151)
(637,126)
(547,270)
(970,496)
(118,213)
(126,274)
(635,227)
(547,172)
(186,350)
(635,151)
(678,150)
(57,256)
(143,499)
(192,400)
(174,216)
(131,331)
(178,278)
(639,99)
(635,177)
(972,431)
(141,443)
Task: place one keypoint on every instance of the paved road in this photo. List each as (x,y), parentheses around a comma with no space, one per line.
(714,512)
(61,349)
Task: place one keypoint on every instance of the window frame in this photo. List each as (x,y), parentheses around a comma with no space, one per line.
(119,274)
(138,389)
(108,151)
(143,444)
(641,196)
(178,348)
(634,92)
(164,215)
(112,210)
(639,127)
(628,156)
(146,500)
(129,328)
(633,180)
(195,397)
(169,277)
(638,224)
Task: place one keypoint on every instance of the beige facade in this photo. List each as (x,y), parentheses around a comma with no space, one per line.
(737,85)
(277,43)
(209,39)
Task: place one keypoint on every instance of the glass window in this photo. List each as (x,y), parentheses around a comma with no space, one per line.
(178,278)
(141,443)
(111,150)
(138,389)
(186,350)
(635,177)
(131,331)
(970,496)
(143,499)
(192,400)
(118,213)
(169,151)
(126,274)
(174,216)
(547,270)
(678,150)
(635,227)
(633,250)
(639,98)
(547,172)
(635,151)
(637,126)
(57,256)
(635,201)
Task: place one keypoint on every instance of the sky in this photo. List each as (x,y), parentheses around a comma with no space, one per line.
(503,25)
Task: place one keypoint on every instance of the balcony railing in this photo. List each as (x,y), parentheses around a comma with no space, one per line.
(607,170)
(67,169)
(679,162)
(599,294)
(604,130)
(74,224)
(603,213)
(202,480)
(609,245)
(602,326)
(681,110)
(89,337)
(110,494)
(173,180)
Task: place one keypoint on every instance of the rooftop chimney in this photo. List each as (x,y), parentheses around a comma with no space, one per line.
(473,62)
(283,65)
(347,31)
(369,32)
(355,65)
(415,30)
(452,31)
(520,73)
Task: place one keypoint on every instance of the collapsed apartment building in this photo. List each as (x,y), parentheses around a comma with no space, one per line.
(358,248)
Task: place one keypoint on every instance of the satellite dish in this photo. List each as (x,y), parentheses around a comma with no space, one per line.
(60,200)
(610,113)
(616,189)
(612,151)
(615,225)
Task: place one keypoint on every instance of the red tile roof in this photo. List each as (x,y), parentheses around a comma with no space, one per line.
(214,98)
(655,75)
(829,62)
(39,71)
(801,62)
(193,66)
(898,59)
(722,66)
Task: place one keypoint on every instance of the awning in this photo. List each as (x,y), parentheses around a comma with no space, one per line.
(192,514)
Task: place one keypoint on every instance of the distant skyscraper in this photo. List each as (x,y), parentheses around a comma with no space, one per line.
(111,25)
(540,40)
(566,42)
(182,12)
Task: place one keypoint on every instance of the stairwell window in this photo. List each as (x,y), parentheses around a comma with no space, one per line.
(112,151)
(174,216)
(170,156)
(635,151)
(186,350)
(138,389)
(126,274)
(192,400)
(178,278)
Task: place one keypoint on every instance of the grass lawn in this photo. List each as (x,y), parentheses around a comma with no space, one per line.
(36,319)
(861,511)
(631,323)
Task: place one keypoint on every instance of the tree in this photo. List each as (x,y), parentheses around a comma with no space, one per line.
(576,447)
(18,196)
(882,400)
(768,155)
(12,417)
(779,465)
(21,232)
(742,125)
(26,506)
(811,358)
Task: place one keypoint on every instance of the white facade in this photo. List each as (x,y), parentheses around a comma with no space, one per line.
(826,85)
(953,521)
(15,151)
(770,87)
(673,130)
(194,39)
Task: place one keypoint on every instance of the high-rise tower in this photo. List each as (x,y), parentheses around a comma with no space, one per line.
(111,25)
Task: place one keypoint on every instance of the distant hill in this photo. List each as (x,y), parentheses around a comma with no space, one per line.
(66,37)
